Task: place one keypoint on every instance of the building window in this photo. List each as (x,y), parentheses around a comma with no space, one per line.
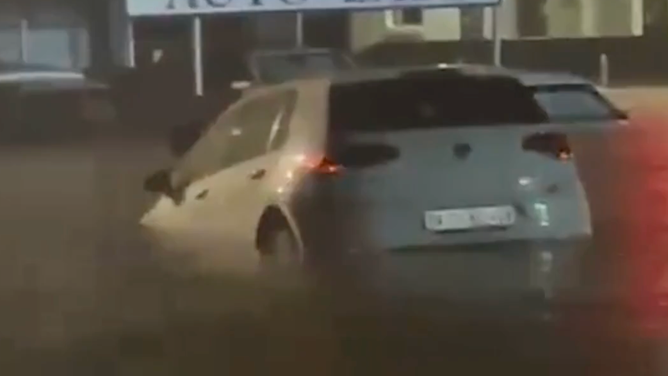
(48,36)
(409,16)
(472,23)
(531,18)
(10,43)
(655,17)
(10,35)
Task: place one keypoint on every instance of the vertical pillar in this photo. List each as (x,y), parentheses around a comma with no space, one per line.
(197,55)
(24,31)
(496,35)
(637,17)
(299,30)
(132,58)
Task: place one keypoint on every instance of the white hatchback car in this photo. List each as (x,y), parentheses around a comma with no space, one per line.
(363,171)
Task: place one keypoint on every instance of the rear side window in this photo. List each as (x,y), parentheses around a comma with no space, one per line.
(564,103)
(280,129)
(432,102)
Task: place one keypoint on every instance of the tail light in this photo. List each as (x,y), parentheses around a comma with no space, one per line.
(322,166)
(553,145)
(352,157)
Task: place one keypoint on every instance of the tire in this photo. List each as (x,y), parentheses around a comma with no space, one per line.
(279,251)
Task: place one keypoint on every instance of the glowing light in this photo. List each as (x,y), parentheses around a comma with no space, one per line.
(542,213)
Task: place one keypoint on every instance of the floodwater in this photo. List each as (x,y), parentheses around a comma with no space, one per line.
(82,292)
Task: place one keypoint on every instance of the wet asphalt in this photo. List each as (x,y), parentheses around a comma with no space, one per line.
(82,291)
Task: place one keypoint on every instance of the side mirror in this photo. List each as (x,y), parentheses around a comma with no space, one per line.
(240,85)
(159,182)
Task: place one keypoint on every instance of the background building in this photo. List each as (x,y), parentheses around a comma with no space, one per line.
(519,19)
(46,32)
(78,33)
(81,34)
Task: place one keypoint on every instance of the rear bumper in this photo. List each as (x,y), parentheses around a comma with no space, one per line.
(335,228)
(492,271)
(388,248)
(485,272)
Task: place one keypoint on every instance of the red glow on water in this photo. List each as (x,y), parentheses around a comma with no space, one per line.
(641,187)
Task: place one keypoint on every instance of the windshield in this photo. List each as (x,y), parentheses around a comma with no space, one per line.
(432,103)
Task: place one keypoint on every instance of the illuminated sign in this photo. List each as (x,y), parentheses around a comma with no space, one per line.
(137,8)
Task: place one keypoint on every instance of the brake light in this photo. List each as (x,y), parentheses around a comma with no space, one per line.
(355,156)
(565,155)
(322,165)
(553,145)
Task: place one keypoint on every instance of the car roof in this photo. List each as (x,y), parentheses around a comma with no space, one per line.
(360,75)
(40,77)
(526,77)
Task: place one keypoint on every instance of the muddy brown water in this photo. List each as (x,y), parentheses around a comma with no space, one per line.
(83,292)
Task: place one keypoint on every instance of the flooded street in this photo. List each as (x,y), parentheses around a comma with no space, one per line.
(69,234)
(82,292)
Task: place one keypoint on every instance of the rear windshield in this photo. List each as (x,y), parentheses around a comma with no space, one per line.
(430,102)
(564,103)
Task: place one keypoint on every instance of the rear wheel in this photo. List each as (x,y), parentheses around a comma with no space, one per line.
(279,250)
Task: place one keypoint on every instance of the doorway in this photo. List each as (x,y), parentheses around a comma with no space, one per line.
(227,40)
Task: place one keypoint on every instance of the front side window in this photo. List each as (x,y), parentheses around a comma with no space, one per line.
(200,161)
(246,132)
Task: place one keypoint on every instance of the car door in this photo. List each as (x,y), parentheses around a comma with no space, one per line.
(234,197)
(189,178)
(266,132)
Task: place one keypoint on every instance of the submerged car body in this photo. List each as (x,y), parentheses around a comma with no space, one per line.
(369,171)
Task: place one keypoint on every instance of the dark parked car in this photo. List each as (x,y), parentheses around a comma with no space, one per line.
(46,104)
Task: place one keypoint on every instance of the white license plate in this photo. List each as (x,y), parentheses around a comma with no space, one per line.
(472,218)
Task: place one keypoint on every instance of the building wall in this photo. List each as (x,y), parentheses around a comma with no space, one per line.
(508,14)
(566,18)
(562,19)
(594,18)
(370,27)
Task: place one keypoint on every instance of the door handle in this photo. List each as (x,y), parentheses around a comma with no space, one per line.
(258,174)
(202,195)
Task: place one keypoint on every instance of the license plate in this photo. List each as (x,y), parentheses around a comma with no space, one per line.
(467,219)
